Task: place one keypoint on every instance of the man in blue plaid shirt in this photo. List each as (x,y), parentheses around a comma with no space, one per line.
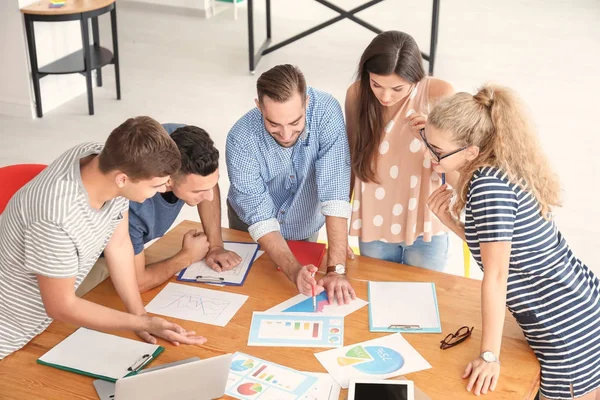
(289,166)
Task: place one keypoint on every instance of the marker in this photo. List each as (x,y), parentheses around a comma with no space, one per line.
(443,178)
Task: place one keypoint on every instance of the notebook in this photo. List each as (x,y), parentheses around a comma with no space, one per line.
(403,307)
(100,355)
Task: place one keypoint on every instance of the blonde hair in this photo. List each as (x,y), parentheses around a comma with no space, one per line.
(495,121)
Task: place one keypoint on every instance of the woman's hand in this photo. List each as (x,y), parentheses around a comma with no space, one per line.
(484,376)
(439,204)
(416,121)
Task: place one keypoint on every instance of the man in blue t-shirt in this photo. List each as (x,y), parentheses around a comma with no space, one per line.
(195,184)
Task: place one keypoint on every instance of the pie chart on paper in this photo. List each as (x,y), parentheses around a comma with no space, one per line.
(250,389)
(242,365)
(372,360)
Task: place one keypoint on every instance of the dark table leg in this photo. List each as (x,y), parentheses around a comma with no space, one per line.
(35,77)
(268,19)
(96,35)
(113,24)
(435,19)
(251,36)
(85,40)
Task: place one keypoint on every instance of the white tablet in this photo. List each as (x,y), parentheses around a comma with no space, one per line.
(365,389)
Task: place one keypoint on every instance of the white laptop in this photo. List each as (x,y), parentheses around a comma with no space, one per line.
(194,380)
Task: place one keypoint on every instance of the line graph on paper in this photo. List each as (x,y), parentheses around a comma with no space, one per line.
(202,305)
(196,304)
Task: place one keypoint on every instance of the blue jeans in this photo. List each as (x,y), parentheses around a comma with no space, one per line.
(431,255)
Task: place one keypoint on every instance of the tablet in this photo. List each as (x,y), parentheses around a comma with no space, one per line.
(364,389)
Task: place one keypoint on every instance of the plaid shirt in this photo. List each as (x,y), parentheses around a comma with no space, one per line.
(290,189)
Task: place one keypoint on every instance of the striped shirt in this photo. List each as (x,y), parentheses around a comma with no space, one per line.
(48,228)
(290,189)
(553,296)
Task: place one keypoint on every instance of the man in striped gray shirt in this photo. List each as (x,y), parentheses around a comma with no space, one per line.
(57,225)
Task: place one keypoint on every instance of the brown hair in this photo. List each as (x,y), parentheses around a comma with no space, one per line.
(390,52)
(495,121)
(141,148)
(280,83)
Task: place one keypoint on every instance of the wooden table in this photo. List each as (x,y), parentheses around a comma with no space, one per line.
(84,61)
(22,378)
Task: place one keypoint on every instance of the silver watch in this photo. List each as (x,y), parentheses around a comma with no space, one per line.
(338,269)
(489,357)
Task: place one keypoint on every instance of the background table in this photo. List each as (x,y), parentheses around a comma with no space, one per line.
(459,299)
(89,58)
(255,55)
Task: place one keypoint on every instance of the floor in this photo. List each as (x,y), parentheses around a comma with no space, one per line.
(179,68)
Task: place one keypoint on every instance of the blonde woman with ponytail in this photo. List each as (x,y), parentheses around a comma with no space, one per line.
(508,191)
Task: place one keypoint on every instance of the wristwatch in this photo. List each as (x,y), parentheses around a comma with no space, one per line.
(338,269)
(489,357)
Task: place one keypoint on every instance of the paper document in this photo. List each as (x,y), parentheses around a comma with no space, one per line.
(380,358)
(235,276)
(251,378)
(326,388)
(403,307)
(296,330)
(192,303)
(302,303)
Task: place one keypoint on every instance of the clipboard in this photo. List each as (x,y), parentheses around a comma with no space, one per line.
(202,273)
(407,307)
(100,355)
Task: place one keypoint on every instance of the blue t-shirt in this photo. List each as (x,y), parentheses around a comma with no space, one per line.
(152,218)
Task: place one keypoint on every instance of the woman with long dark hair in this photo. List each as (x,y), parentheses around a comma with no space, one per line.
(392,179)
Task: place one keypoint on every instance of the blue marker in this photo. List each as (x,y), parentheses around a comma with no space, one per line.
(443,178)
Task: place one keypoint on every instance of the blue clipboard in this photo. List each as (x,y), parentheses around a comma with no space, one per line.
(405,328)
(182,272)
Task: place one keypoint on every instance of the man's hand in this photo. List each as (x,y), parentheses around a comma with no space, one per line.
(220,259)
(195,245)
(164,329)
(305,280)
(337,285)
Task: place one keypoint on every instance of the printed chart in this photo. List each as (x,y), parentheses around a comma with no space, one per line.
(251,377)
(380,358)
(304,304)
(296,330)
(196,304)
(374,360)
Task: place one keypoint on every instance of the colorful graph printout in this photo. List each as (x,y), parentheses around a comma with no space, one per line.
(296,330)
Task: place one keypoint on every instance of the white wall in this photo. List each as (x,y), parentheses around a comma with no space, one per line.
(15,94)
(201,7)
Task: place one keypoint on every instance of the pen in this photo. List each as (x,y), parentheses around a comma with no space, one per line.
(443,178)
(209,279)
(314,295)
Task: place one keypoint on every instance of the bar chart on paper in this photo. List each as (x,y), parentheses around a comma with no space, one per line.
(251,377)
(296,330)
(275,329)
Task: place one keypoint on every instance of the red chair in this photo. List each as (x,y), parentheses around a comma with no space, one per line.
(13,178)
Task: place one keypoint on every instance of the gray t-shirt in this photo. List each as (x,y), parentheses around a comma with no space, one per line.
(48,228)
